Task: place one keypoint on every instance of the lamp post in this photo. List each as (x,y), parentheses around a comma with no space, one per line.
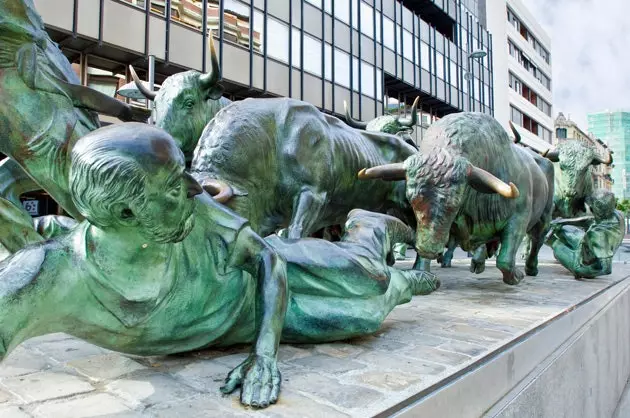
(469,74)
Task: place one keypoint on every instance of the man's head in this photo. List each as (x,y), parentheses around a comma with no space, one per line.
(132,175)
(602,204)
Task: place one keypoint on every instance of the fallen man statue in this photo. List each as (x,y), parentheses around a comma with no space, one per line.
(160,267)
(586,245)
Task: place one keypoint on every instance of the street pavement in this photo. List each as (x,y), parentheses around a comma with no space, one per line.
(420,344)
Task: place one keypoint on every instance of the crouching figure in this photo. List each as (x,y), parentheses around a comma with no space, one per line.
(160,267)
(586,245)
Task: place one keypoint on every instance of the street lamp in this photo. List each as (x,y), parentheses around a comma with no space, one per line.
(469,76)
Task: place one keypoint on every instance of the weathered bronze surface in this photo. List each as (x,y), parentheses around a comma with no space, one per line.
(586,245)
(160,267)
(458,186)
(44,109)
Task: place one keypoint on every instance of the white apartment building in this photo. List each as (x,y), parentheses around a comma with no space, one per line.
(522,71)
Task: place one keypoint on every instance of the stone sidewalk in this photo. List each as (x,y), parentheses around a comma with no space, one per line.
(420,344)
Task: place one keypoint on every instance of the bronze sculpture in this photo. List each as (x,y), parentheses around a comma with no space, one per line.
(160,267)
(456,184)
(44,109)
(586,245)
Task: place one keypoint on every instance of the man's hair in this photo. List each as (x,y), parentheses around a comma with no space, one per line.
(105,174)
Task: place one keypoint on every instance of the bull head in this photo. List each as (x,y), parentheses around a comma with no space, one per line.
(387,123)
(436,187)
(186,102)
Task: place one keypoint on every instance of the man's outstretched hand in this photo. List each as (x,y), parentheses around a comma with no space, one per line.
(259,378)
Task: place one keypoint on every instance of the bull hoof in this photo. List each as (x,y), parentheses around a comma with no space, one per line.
(477,267)
(513,278)
(531,270)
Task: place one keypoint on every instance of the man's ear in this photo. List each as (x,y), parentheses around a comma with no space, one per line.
(124,215)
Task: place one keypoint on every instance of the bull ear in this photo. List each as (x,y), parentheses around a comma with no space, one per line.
(485,182)
(216,92)
(552,154)
(389,172)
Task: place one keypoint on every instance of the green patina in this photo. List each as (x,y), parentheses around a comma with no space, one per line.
(160,267)
(586,245)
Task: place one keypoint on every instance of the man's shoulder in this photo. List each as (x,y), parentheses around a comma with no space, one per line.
(215,218)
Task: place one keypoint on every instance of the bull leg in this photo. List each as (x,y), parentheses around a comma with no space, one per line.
(447,257)
(306,210)
(422,264)
(511,239)
(537,238)
(478,260)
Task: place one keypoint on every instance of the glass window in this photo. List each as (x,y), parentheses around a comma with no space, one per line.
(312,55)
(399,45)
(439,65)
(378,27)
(328,62)
(355,14)
(355,74)
(408,45)
(278,36)
(561,133)
(328,6)
(259,20)
(424,56)
(367,20)
(367,79)
(379,84)
(342,68)
(342,10)
(454,74)
(295,48)
(316,3)
(388,33)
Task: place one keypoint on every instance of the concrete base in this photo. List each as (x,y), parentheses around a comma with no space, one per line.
(549,347)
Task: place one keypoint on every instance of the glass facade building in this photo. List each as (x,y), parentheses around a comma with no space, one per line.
(614,129)
(369,53)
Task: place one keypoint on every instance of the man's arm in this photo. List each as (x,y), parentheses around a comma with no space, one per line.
(580,221)
(259,375)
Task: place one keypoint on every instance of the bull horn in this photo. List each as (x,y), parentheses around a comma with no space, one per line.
(353,123)
(517,135)
(210,79)
(552,154)
(485,182)
(392,172)
(599,160)
(219,190)
(140,85)
(411,122)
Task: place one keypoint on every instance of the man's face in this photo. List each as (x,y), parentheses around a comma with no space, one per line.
(167,215)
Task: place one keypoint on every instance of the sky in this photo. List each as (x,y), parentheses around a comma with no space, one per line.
(590,54)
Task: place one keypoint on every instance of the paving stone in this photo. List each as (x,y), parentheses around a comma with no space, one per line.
(378,343)
(339,350)
(4,397)
(203,406)
(13,412)
(472,350)
(96,405)
(67,350)
(290,352)
(46,385)
(108,366)
(151,389)
(328,364)
(292,404)
(333,392)
(395,381)
(23,361)
(391,361)
(204,375)
(436,355)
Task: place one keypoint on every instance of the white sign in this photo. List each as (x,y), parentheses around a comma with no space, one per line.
(31,206)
